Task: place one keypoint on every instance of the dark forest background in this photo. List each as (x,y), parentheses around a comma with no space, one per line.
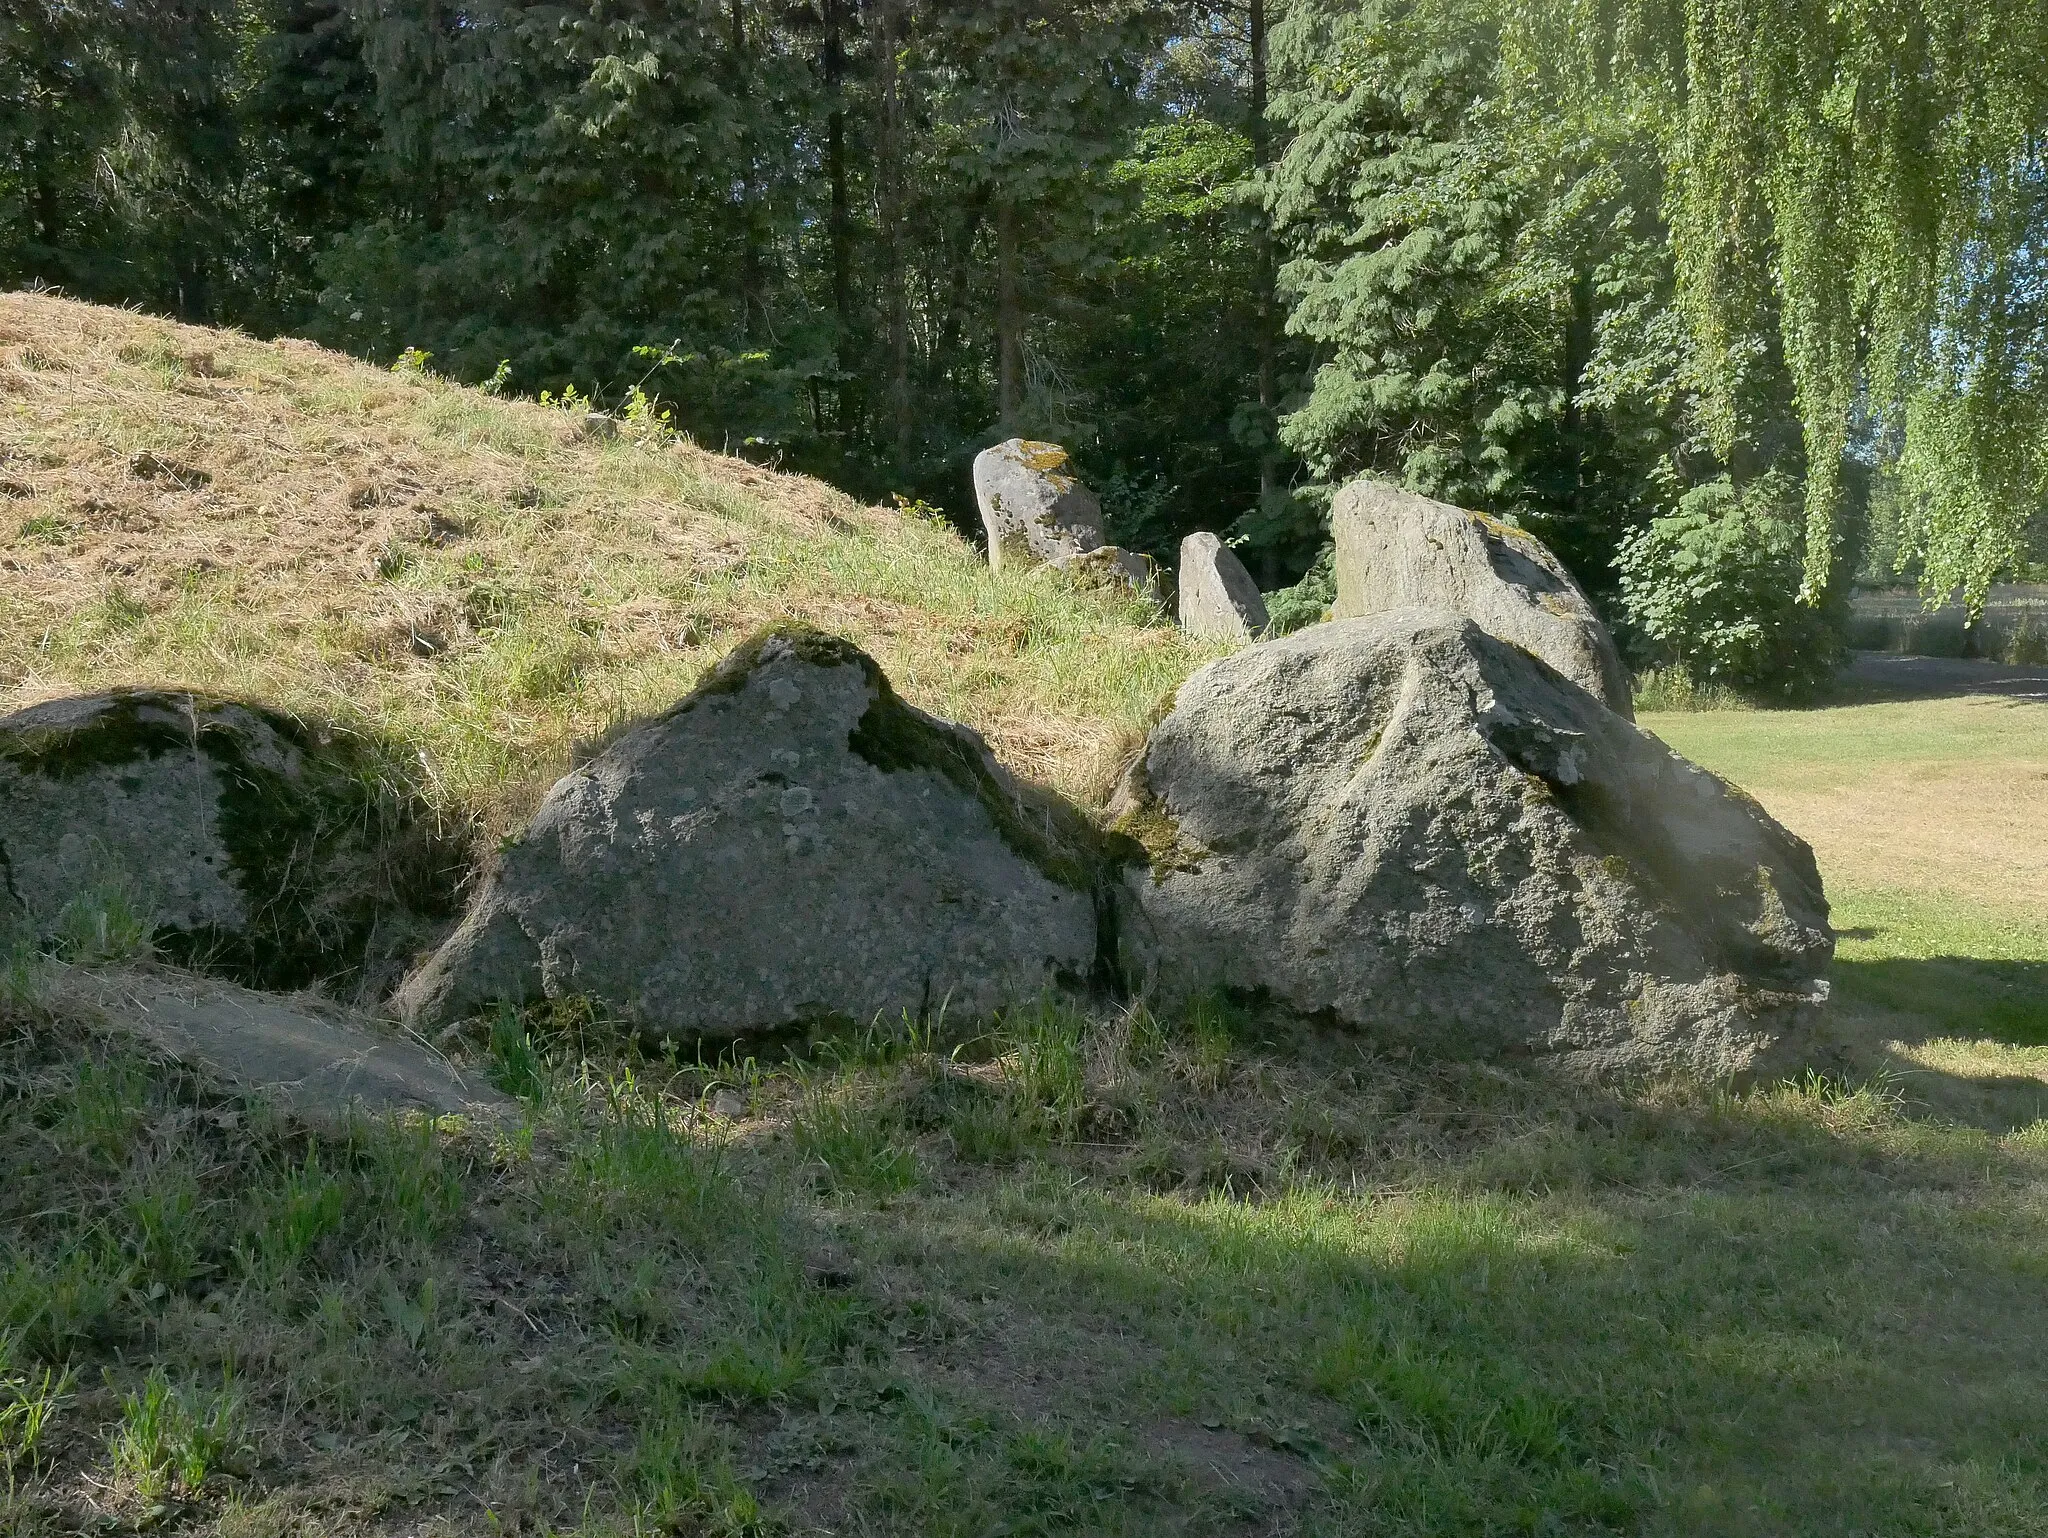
(1229,254)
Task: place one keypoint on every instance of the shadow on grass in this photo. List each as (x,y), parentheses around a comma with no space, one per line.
(1466,1301)
(1873,678)
(1816,1330)
(2004,1001)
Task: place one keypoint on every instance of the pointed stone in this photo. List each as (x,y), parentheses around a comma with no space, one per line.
(791,843)
(1395,548)
(1218,599)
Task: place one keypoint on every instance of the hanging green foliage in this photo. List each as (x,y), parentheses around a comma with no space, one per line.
(1858,185)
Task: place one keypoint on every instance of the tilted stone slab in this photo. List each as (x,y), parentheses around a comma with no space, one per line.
(791,843)
(1219,601)
(1034,508)
(1395,548)
(299,1049)
(1403,824)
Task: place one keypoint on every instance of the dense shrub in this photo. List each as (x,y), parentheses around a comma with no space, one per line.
(1288,609)
(1714,590)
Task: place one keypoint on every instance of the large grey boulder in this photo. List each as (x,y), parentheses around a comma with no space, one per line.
(1395,548)
(791,843)
(1219,601)
(237,838)
(1034,508)
(1404,824)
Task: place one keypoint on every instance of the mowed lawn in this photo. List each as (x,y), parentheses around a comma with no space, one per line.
(1930,822)
(1110,1274)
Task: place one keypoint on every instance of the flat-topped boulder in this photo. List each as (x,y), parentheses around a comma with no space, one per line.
(790,844)
(1219,601)
(1034,508)
(1403,824)
(1396,549)
(236,838)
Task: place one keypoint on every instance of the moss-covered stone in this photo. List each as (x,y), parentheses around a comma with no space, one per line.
(336,866)
(1155,829)
(793,843)
(808,644)
(1148,824)
(121,733)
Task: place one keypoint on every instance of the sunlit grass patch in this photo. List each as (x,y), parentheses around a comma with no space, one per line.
(172,1438)
(479,580)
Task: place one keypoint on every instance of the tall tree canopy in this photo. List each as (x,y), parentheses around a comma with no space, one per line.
(1676,282)
(1489,294)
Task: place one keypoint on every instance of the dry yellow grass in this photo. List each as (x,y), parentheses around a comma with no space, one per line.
(1974,829)
(480,579)
(1941,796)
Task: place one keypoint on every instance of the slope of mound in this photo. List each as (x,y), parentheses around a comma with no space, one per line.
(481,580)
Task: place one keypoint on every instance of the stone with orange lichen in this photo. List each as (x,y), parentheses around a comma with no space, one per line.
(1035,510)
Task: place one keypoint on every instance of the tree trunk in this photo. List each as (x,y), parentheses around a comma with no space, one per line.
(1009,319)
(1266,280)
(840,226)
(49,218)
(889,210)
(750,246)
(963,267)
(1578,352)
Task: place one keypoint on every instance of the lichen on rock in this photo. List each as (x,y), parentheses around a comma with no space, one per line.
(1033,508)
(1136,813)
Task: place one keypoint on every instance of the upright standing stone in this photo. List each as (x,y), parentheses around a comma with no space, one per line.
(1035,509)
(1218,599)
(1395,549)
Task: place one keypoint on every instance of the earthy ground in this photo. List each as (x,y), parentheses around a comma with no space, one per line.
(1063,1274)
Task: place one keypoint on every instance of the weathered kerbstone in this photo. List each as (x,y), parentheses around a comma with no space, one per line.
(1395,548)
(1219,601)
(1114,566)
(790,843)
(1034,508)
(244,841)
(1404,824)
